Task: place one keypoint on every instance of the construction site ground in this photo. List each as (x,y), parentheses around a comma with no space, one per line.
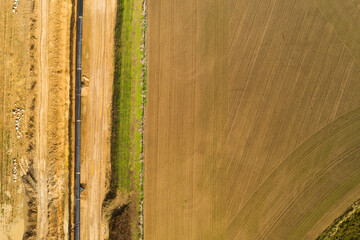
(35,79)
(98,40)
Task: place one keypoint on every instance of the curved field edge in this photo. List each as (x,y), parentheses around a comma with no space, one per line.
(126,180)
(346,226)
(320,174)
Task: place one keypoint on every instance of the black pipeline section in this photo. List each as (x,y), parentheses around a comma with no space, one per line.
(78,116)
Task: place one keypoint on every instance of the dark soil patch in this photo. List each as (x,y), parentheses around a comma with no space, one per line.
(120,228)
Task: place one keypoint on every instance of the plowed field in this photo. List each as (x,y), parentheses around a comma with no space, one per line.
(252,126)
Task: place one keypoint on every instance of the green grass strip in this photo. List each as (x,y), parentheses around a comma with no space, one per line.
(127,112)
(346,227)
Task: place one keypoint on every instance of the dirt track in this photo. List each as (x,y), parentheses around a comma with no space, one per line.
(14,80)
(42,134)
(99,23)
(53,105)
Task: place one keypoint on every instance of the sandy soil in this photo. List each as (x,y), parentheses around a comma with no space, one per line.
(42,134)
(16,96)
(35,66)
(52,136)
(98,37)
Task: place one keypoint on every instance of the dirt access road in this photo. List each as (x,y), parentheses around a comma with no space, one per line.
(98,38)
(42,133)
(53,103)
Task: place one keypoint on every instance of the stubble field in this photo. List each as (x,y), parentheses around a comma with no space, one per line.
(252,125)
(185,117)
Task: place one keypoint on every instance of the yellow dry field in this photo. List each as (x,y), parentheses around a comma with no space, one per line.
(253,118)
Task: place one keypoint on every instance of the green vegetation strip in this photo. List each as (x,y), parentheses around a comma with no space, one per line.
(346,227)
(127,96)
(128,92)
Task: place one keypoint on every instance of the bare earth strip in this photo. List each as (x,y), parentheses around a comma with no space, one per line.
(42,134)
(52,157)
(15,59)
(98,41)
(35,74)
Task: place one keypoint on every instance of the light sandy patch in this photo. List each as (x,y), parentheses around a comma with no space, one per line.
(98,38)
(18,227)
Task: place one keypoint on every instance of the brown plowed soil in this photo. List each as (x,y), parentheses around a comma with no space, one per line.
(119,225)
